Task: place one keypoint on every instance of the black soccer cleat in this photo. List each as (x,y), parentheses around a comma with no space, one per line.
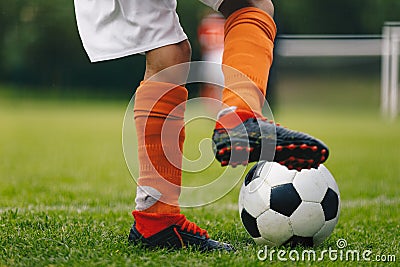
(178,237)
(246,138)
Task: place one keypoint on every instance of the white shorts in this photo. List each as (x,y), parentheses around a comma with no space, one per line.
(111,29)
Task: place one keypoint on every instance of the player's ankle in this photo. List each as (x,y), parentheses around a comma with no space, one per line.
(161,207)
(239,110)
(232,116)
(225,111)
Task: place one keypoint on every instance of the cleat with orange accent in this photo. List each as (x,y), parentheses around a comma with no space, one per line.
(179,235)
(239,130)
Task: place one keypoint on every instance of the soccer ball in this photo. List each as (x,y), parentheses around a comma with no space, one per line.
(279,206)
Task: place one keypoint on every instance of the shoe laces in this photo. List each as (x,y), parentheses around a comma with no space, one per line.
(189,226)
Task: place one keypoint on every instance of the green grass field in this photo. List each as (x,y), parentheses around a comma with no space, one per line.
(66,193)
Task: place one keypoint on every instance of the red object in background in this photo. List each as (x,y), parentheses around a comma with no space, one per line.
(211,38)
(211,33)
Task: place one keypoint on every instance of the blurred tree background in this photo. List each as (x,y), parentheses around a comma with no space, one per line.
(40,46)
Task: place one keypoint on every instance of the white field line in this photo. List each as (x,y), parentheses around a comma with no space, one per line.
(378,201)
(354,203)
(127,208)
(117,208)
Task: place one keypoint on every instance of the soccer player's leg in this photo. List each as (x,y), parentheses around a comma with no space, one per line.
(159,112)
(249,40)
(108,33)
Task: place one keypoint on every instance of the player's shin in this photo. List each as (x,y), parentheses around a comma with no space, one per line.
(159,111)
(249,42)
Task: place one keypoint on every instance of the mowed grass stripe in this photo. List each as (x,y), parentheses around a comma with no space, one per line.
(124,208)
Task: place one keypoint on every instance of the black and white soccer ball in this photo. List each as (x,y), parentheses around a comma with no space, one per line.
(279,206)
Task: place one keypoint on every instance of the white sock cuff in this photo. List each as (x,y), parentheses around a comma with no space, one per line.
(226,111)
(146,196)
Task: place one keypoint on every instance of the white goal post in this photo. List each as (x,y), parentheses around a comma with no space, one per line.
(385,46)
(390,69)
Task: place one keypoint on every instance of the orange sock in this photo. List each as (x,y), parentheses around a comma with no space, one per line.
(249,42)
(159,112)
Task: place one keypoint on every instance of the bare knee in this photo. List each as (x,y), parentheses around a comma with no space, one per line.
(164,57)
(265,5)
(229,6)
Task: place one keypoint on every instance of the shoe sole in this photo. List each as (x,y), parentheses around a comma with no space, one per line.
(295,154)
